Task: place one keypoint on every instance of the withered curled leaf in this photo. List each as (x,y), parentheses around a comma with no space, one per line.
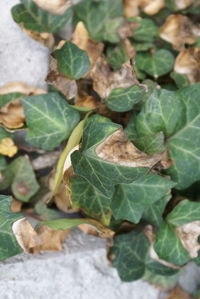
(130,8)
(178,293)
(105,80)
(117,149)
(188,234)
(179,31)
(188,63)
(66,86)
(151,7)
(7,147)
(57,7)
(45,38)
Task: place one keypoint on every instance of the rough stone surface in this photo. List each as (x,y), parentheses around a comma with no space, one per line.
(21,58)
(81,271)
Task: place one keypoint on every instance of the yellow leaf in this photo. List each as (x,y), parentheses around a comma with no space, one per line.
(7,147)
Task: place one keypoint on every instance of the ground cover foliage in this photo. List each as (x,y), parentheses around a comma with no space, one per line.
(113,146)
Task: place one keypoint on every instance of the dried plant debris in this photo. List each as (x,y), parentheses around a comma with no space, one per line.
(120,128)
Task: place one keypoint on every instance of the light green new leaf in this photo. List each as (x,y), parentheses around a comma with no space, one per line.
(72,61)
(128,255)
(162,281)
(50,120)
(124,99)
(19,175)
(102,174)
(90,200)
(184,145)
(157,64)
(131,200)
(185,211)
(163,111)
(169,247)
(8,245)
(36,19)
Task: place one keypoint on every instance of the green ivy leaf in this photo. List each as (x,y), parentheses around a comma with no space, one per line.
(128,255)
(157,64)
(169,247)
(124,99)
(98,16)
(184,153)
(117,56)
(164,112)
(151,144)
(34,18)
(72,61)
(161,281)
(4,134)
(146,31)
(131,200)
(102,174)
(50,120)
(3,163)
(158,268)
(185,211)
(19,175)
(154,213)
(181,80)
(90,200)
(8,245)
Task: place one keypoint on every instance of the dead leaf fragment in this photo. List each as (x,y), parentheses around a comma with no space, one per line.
(25,235)
(178,293)
(95,228)
(188,63)
(179,30)
(182,4)
(16,206)
(20,87)
(7,147)
(131,8)
(82,40)
(117,149)
(105,80)
(41,239)
(188,234)
(63,84)
(51,240)
(45,38)
(57,7)
(151,7)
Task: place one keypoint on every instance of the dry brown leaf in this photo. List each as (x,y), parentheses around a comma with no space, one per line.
(45,38)
(25,235)
(41,239)
(7,147)
(179,30)
(16,206)
(65,85)
(188,234)
(178,293)
(182,4)
(105,80)
(62,199)
(51,240)
(12,114)
(117,149)
(82,40)
(188,63)
(127,29)
(57,7)
(131,8)
(151,7)
(95,228)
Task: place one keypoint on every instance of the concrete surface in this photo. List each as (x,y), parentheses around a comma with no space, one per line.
(81,271)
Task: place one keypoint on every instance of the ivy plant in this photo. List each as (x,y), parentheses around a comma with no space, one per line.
(122,156)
